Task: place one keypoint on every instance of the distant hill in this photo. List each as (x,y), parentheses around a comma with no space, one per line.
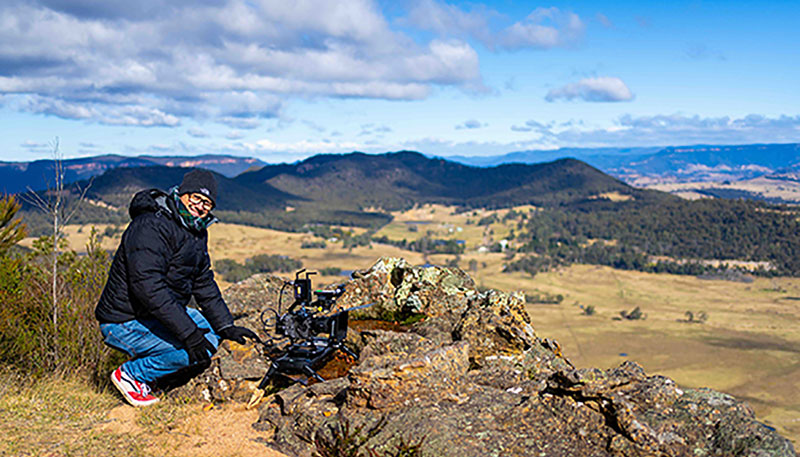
(360,189)
(401,179)
(713,163)
(18,177)
(640,166)
(116,187)
(601,158)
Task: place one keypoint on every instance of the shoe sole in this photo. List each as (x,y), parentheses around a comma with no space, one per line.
(127,396)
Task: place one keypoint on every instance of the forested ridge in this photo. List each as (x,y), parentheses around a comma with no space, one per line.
(630,235)
(584,215)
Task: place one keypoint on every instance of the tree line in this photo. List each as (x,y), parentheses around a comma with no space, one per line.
(629,235)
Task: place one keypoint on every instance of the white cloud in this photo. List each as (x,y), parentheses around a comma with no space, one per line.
(470,124)
(604,20)
(314,126)
(444,147)
(234,135)
(374,129)
(701,51)
(197,133)
(531,126)
(231,61)
(626,131)
(138,115)
(35,146)
(674,129)
(246,123)
(303,147)
(599,89)
(543,28)
(450,20)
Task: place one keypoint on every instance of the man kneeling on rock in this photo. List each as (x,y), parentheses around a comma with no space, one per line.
(161,264)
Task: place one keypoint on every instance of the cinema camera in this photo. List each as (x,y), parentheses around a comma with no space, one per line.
(295,341)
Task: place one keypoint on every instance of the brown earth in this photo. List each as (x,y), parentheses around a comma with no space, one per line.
(223,430)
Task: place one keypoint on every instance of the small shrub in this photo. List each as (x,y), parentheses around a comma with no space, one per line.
(111,230)
(330,271)
(405,448)
(588,310)
(265,263)
(544,298)
(11,230)
(313,245)
(30,338)
(634,315)
(231,270)
(695,318)
(341,439)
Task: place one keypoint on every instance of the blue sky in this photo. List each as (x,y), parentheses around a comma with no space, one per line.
(281,81)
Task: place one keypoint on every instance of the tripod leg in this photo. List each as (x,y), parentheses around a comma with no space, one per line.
(312,374)
(347,351)
(265,380)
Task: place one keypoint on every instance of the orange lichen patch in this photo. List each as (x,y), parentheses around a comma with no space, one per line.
(338,366)
(341,363)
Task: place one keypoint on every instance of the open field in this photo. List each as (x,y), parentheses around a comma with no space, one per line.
(749,346)
(443,222)
(765,187)
(78,236)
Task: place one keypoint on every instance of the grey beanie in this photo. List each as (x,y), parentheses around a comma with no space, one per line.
(201,182)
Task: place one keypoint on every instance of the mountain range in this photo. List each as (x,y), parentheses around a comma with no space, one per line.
(640,166)
(361,189)
(37,175)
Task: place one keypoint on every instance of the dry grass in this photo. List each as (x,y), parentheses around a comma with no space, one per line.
(66,417)
(769,188)
(749,347)
(444,223)
(78,237)
(58,417)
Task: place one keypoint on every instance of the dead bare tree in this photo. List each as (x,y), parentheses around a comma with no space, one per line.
(54,204)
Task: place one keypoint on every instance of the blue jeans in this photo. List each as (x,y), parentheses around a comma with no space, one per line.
(155,352)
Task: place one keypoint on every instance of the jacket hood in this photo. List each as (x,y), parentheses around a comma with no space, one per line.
(148,201)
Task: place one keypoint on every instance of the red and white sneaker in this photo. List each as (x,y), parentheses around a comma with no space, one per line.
(135,392)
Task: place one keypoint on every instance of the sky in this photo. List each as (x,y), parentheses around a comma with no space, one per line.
(281,81)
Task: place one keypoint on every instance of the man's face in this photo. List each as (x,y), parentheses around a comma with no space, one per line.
(198,204)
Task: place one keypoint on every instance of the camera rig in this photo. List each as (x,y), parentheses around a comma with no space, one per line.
(294,342)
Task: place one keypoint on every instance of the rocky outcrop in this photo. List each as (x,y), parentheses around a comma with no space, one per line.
(472,378)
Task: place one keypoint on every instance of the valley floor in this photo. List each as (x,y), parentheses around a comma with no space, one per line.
(749,346)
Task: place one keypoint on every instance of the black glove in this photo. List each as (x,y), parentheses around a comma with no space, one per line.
(198,347)
(238,334)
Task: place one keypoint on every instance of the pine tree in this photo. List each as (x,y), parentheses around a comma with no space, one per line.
(11,231)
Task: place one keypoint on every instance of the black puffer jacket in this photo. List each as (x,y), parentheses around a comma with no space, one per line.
(158,267)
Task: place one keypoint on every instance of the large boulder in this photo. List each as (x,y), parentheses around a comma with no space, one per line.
(470,377)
